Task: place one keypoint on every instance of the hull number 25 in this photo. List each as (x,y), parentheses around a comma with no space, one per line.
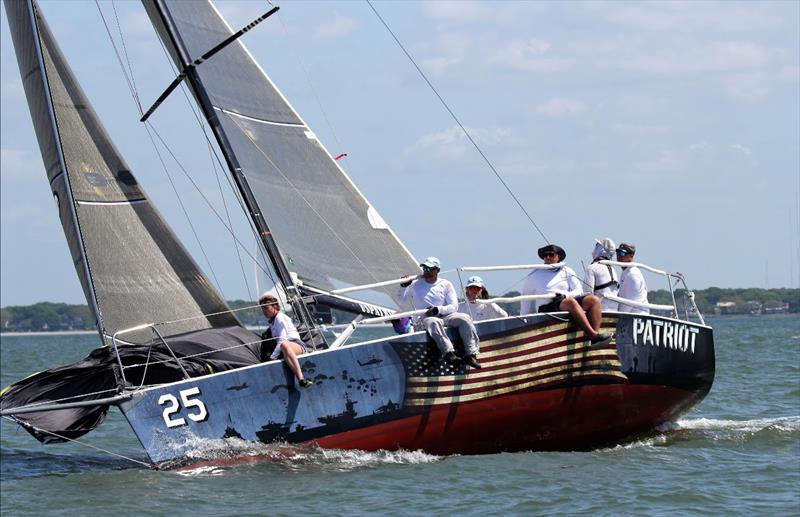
(174,406)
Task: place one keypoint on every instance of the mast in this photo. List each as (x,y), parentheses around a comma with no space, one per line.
(264,233)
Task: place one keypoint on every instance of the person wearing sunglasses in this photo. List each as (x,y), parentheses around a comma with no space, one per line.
(438,296)
(631,283)
(602,279)
(561,280)
(479,311)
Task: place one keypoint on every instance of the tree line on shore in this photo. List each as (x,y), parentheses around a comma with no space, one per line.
(49,316)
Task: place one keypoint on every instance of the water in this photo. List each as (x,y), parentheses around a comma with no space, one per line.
(738,453)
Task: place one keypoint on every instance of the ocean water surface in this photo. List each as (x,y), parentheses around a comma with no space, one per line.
(737,453)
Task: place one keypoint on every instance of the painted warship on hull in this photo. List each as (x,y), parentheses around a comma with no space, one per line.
(200,374)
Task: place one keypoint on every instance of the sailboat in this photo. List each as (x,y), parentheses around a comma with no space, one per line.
(180,366)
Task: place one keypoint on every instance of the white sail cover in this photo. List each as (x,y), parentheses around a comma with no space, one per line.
(326,230)
(126,256)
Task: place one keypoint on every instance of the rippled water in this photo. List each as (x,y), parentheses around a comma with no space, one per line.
(738,453)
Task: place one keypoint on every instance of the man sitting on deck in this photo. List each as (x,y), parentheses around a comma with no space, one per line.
(439,297)
(564,283)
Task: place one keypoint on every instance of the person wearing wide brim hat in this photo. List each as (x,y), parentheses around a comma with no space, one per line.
(631,283)
(438,296)
(552,248)
(476,290)
(602,279)
(562,282)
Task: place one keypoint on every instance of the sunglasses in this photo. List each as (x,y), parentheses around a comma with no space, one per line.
(548,254)
(427,268)
(621,253)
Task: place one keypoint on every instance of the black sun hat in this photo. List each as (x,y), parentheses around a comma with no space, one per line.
(552,248)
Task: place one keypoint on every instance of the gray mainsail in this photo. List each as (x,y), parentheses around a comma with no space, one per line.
(325,229)
(132,268)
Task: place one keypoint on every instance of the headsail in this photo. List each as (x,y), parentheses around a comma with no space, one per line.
(132,267)
(326,230)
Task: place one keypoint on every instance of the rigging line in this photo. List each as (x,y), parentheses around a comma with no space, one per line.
(464,129)
(134,93)
(213,154)
(308,78)
(125,53)
(199,191)
(288,181)
(122,456)
(183,208)
(119,58)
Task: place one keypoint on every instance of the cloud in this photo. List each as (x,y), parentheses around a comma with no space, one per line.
(530,55)
(336,28)
(437,65)
(560,107)
(452,143)
(454,11)
(683,16)
(742,149)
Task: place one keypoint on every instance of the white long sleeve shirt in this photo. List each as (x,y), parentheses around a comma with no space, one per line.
(482,311)
(632,287)
(549,281)
(283,329)
(599,274)
(421,295)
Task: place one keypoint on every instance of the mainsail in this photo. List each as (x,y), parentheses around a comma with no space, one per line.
(132,268)
(325,229)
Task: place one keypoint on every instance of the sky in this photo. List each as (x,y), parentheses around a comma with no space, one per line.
(671,125)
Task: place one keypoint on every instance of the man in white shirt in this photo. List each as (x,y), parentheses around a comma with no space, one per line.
(476,289)
(585,309)
(601,279)
(631,284)
(439,297)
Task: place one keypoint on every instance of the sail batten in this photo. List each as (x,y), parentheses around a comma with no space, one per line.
(323,226)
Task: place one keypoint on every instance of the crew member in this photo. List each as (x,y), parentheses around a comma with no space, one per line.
(601,279)
(631,284)
(286,336)
(561,280)
(475,290)
(438,296)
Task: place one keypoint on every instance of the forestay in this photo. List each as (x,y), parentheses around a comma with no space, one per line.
(132,267)
(325,229)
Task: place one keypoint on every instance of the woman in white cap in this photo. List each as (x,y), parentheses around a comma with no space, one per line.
(601,279)
(476,290)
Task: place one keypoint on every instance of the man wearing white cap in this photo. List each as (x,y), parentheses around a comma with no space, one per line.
(478,311)
(601,279)
(438,296)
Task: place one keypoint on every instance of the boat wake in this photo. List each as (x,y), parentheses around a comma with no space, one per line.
(781,424)
(716,430)
(213,457)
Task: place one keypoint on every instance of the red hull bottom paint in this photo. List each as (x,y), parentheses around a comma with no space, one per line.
(559,419)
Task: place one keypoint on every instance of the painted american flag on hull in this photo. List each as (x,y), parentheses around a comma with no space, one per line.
(528,359)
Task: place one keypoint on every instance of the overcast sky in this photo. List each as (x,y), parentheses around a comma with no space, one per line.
(673,126)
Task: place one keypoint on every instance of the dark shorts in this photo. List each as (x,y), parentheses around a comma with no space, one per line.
(553,305)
